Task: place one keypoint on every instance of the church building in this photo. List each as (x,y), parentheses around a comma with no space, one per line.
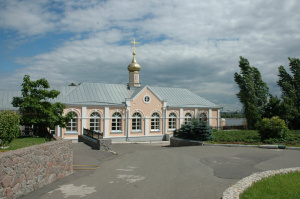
(128,112)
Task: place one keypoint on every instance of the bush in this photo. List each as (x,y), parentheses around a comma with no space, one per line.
(196,130)
(272,130)
(236,136)
(9,126)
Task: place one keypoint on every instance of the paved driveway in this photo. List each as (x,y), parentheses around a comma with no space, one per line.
(157,171)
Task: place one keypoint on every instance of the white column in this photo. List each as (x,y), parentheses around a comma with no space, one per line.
(164,118)
(106,122)
(181,117)
(127,120)
(58,131)
(83,118)
(219,119)
(209,117)
(146,126)
(196,113)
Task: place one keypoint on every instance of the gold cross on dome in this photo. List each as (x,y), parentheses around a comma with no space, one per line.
(134,44)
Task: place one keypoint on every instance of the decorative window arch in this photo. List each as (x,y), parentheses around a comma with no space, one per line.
(95,121)
(188,118)
(116,124)
(136,122)
(73,124)
(155,121)
(172,121)
(203,117)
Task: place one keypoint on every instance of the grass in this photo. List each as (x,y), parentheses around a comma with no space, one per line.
(281,186)
(252,137)
(24,142)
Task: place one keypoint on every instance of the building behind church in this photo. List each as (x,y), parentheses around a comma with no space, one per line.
(127,112)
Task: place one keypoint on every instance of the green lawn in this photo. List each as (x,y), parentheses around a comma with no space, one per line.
(24,142)
(281,186)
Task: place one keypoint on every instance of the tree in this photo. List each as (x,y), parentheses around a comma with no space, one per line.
(273,128)
(72,84)
(253,92)
(37,110)
(9,126)
(290,88)
(195,130)
(273,107)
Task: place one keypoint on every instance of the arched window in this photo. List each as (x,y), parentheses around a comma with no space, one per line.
(116,124)
(172,121)
(188,118)
(155,121)
(203,117)
(136,122)
(95,121)
(73,124)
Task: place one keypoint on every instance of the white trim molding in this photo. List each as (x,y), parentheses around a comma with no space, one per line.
(106,122)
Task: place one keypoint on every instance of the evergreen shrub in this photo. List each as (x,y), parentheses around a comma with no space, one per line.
(195,130)
(9,126)
(272,130)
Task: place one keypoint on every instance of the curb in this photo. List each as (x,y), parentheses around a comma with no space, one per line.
(140,142)
(255,146)
(231,145)
(234,191)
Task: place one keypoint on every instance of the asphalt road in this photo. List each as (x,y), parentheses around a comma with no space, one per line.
(142,171)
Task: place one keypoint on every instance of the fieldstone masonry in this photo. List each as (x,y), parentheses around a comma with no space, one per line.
(30,168)
(176,142)
(98,144)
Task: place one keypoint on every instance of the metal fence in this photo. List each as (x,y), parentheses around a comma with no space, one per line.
(92,134)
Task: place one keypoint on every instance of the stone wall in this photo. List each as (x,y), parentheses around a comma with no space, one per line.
(176,142)
(30,168)
(98,144)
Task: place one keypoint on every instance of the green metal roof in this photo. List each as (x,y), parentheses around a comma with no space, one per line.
(6,97)
(178,97)
(98,94)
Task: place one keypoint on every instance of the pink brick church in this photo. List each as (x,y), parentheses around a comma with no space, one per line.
(127,112)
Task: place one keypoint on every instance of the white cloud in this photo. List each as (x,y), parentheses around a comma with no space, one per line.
(26,17)
(189,44)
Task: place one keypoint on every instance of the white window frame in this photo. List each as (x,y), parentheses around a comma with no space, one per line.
(147,99)
(155,122)
(136,125)
(187,118)
(72,125)
(117,120)
(95,121)
(172,121)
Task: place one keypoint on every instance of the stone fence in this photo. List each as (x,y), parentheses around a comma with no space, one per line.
(27,169)
(98,144)
(176,142)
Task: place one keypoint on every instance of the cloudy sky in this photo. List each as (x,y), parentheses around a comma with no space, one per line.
(193,44)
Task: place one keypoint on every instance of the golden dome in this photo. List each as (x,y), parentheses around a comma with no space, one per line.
(134,66)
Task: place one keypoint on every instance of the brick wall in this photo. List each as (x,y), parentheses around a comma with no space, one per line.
(30,168)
